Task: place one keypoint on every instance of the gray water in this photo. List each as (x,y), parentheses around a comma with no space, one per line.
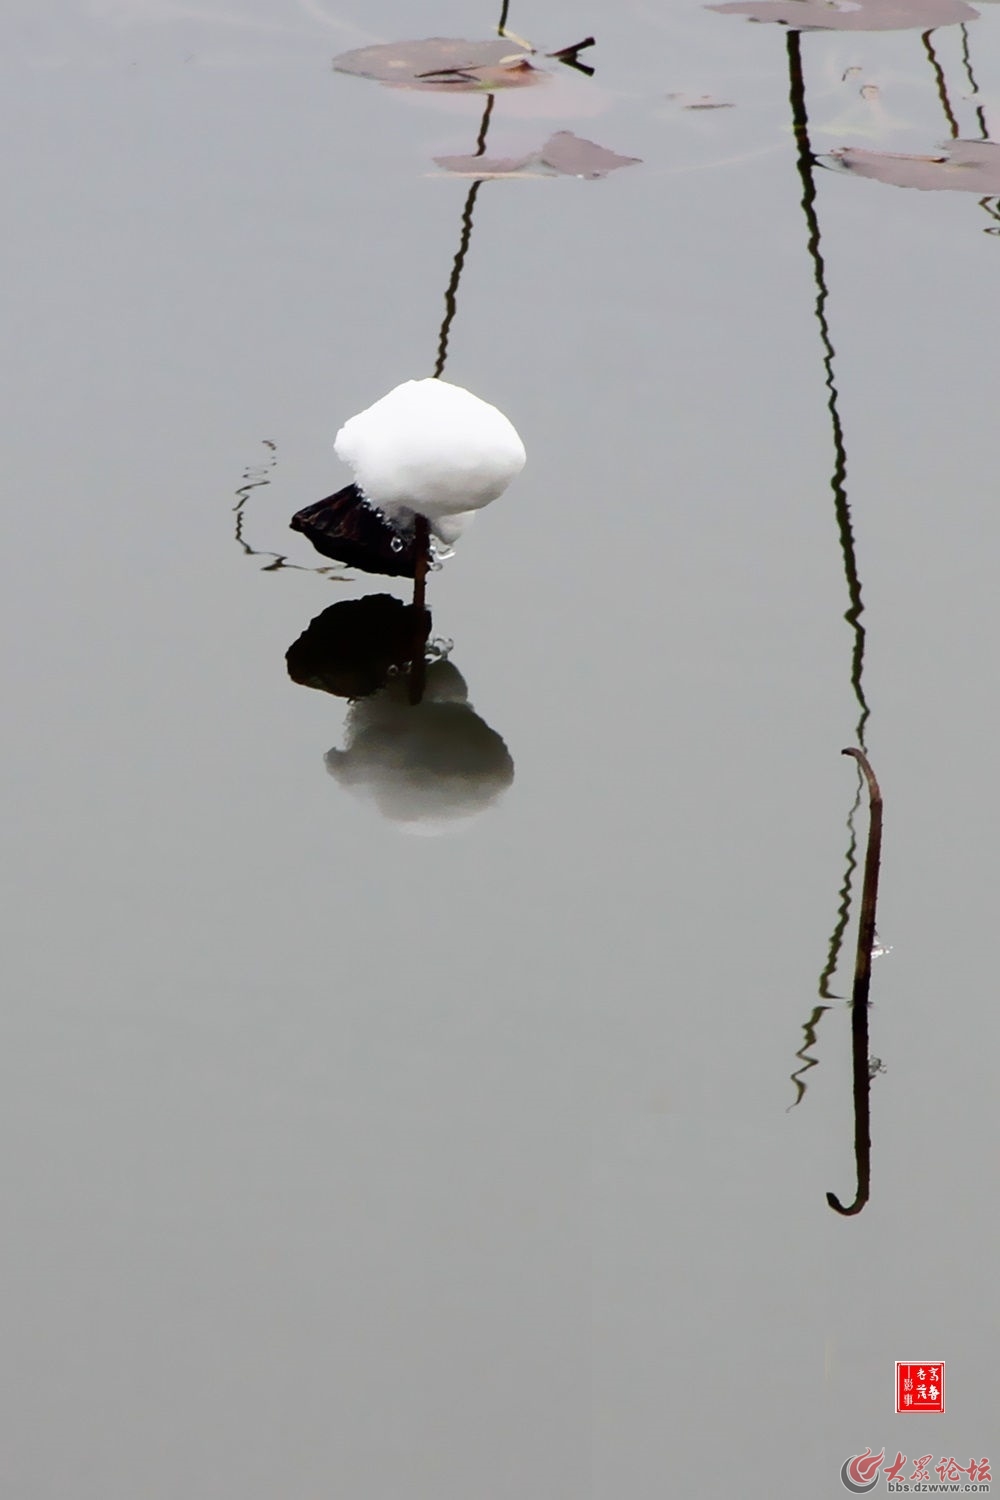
(492,1160)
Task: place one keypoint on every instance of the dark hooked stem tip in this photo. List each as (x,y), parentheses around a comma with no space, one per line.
(571,56)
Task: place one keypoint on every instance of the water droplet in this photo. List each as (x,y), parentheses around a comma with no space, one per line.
(438,649)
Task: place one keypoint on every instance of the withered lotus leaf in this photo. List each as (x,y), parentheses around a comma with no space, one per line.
(966,167)
(564,155)
(862,15)
(441,62)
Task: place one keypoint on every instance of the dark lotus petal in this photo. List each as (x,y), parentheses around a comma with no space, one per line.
(352,647)
(345,527)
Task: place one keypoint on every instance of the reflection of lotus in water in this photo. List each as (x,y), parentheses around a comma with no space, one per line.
(426,766)
(353,648)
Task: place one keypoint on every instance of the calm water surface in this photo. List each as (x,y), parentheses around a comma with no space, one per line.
(493,1162)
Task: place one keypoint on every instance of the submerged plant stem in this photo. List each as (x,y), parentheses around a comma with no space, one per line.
(422,628)
(984,133)
(838,479)
(869,891)
(940,84)
(859,996)
(451,291)
(806,167)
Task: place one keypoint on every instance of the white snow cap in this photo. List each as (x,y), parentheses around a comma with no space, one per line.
(434,449)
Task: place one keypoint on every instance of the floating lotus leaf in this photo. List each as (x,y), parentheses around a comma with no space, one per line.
(486,166)
(572,156)
(968,167)
(864,15)
(441,62)
(698,101)
(565,154)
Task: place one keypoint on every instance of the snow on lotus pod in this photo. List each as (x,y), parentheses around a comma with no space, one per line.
(432,449)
